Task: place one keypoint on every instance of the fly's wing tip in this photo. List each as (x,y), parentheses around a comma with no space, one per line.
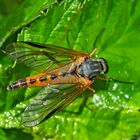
(28,122)
(47,103)
(3,51)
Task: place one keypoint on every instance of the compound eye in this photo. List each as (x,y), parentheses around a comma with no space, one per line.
(104,65)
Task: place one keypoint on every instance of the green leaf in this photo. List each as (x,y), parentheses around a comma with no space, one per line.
(19,18)
(6,8)
(114,110)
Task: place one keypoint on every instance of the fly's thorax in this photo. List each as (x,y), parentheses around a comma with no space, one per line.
(92,68)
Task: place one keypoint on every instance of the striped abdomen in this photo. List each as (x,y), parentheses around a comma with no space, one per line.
(30,81)
(43,79)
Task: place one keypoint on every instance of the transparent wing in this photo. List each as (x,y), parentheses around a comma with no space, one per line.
(41,57)
(50,100)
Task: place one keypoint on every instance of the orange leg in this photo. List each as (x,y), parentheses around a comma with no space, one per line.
(92,90)
(102,78)
(86,84)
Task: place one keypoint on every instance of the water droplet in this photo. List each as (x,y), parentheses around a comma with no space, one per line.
(74,132)
(114,98)
(115,86)
(68,18)
(96,97)
(36,115)
(63,134)
(97,100)
(6,120)
(126,96)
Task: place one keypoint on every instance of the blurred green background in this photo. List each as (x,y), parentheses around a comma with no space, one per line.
(115,107)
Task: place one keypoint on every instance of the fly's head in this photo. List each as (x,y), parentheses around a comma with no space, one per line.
(92,68)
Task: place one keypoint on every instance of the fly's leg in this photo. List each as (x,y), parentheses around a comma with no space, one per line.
(113,80)
(84,101)
(86,84)
(88,87)
(81,107)
(109,80)
(102,78)
(95,42)
(68,39)
(83,104)
(119,81)
(91,89)
(93,52)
